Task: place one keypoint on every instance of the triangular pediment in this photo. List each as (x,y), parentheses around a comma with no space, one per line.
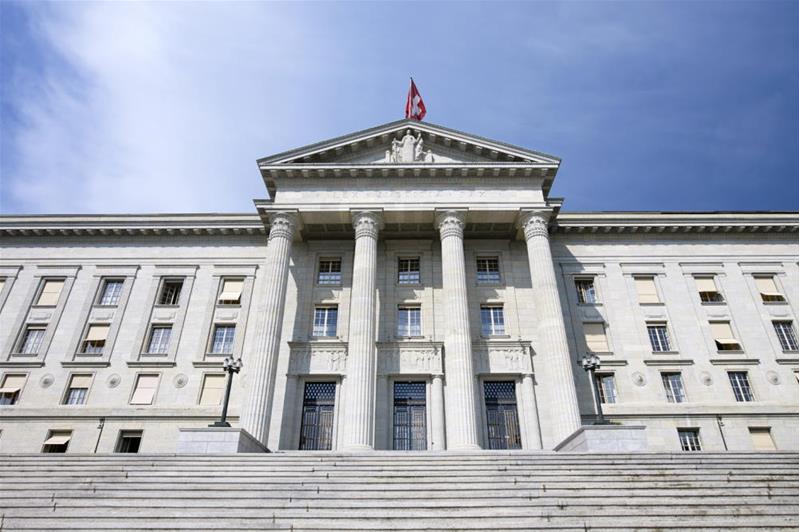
(408,142)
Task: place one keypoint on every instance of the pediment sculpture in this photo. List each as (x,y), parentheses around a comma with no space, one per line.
(409,149)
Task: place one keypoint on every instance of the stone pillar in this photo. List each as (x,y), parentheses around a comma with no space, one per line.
(555,363)
(461,406)
(262,367)
(532,429)
(438,428)
(359,399)
(382,435)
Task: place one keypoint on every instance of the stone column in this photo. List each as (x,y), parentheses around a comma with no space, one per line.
(359,405)
(532,429)
(262,367)
(461,406)
(438,428)
(555,363)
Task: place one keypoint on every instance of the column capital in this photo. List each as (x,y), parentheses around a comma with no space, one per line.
(535,223)
(451,223)
(283,224)
(367,223)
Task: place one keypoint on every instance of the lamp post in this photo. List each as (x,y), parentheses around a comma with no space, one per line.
(590,363)
(231,366)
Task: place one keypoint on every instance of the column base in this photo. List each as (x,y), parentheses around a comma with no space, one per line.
(605,439)
(218,440)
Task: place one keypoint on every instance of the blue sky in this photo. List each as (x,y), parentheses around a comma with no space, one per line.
(164,107)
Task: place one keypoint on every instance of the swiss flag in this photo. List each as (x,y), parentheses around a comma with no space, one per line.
(414,107)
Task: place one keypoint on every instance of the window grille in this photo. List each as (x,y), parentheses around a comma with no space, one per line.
(170,292)
(325,321)
(739,380)
(659,337)
(586,292)
(501,415)
(787,335)
(689,439)
(408,271)
(488,270)
(223,338)
(329,271)
(492,319)
(318,406)
(672,382)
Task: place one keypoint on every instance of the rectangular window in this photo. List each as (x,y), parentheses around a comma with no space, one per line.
(329,271)
(109,295)
(769,292)
(408,271)
(409,321)
(170,292)
(158,343)
(723,336)
(761,439)
(231,292)
(144,391)
(31,340)
(57,441)
(77,390)
(606,386)
(325,321)
(318,408)
(11,389)
(658,337)
(595,338)
(689,439)
(222,339)
(586,292)
(739,380)
(787,335)
(129,441)
(488,270)
(492,318)
(94,343)
(708,291)
(213,390)
(672,383)
(50,293)
(647,291)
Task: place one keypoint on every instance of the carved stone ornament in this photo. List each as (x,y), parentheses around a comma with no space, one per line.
(282,225)
(535,224)
(321,359)
(507,358)
(366,224)
(451,223)
(398,359)
(639,379)
(773,377)
(113,380)
(46,381)
(180,380)
(705,378)
(409,149)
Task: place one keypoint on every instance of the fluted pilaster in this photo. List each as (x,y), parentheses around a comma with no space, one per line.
(263,365)
(555,363)
(359,406)
(439,438)
(533,430)
(461,405)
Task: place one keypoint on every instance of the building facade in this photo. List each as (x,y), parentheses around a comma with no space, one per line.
(404,287)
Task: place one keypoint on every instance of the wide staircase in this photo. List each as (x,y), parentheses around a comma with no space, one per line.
(401,491)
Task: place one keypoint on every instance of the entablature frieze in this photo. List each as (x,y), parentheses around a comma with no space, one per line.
(412,357)
(318,358)
(502,357)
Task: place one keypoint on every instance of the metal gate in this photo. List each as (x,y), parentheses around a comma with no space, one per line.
(410,416)
(317,416)
(502,416)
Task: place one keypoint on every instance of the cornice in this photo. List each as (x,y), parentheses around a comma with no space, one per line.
(676,222)
(132,225)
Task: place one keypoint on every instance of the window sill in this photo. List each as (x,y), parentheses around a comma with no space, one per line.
(656,353)
(495,336)
(98,305)
(408,338)
(228,305)
(410,285)
(730,352)
(713,303)
(490,285)
(595,304)
(165,306)
(775,302)
(151,364)
(658,304)
(328,285)
(85,364)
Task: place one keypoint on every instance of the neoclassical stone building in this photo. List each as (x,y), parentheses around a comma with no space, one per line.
(404,287)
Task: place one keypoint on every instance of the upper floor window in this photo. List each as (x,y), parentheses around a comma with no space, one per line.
(50,292)
(329,271)
(787,335)
(708,291)
(158,343)
(647,290)
(672,382)
(11,388)
(769,292)
(230,294)
(144,390)
(595,338)
(325,321)
(606,386)
(109,295)
(94,343)
(739,380)
(31,340)
(408,271)
(586,291)
(213,390)
(689,439)
(492,318)
(409,321)
(77,390)
(724,337)
(658,336)
(170,292)
(222,340)
(488,270)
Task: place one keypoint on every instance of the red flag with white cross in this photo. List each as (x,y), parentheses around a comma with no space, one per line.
(414,107)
